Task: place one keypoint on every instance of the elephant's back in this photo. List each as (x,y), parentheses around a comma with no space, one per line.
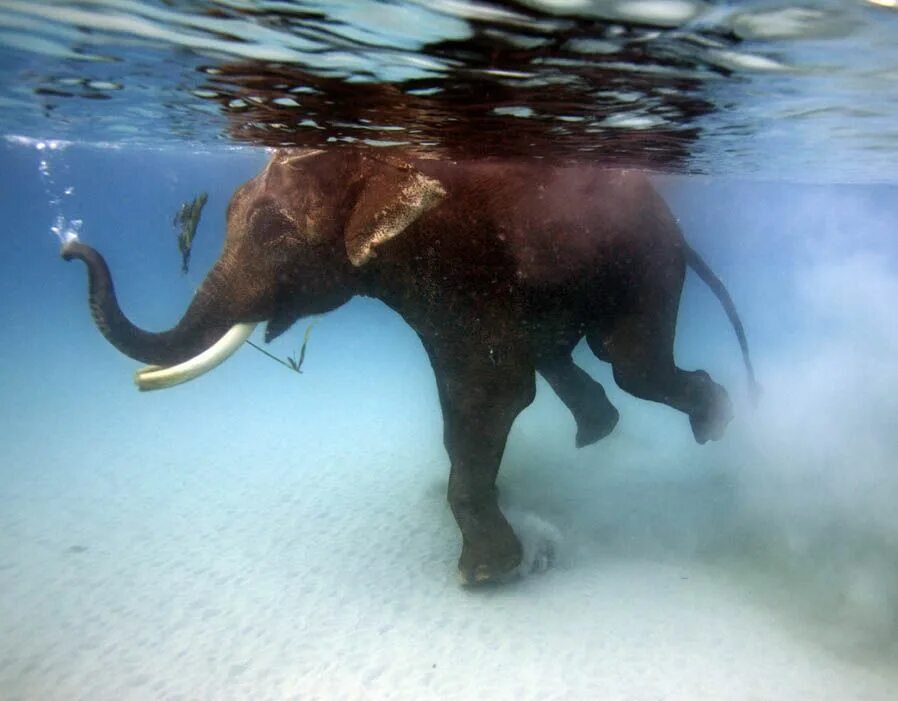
(562,224)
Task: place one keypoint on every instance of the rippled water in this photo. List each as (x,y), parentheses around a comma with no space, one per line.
(766,89)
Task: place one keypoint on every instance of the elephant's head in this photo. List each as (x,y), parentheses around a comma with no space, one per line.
(297,235)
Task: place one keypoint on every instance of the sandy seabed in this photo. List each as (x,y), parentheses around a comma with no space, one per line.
(256,572)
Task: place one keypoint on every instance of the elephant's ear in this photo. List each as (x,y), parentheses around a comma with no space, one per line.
(393,196)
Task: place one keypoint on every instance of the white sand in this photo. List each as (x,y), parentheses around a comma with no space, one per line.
(304,566)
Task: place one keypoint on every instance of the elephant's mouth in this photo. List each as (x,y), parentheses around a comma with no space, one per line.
(158,377)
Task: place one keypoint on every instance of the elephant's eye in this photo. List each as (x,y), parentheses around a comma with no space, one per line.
(270,228)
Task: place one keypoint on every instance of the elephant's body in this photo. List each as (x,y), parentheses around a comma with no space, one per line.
(561,250)
(501,267)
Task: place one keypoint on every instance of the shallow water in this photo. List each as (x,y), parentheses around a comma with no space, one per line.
(258,534)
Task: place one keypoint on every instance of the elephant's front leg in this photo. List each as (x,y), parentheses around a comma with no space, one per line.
(482,389)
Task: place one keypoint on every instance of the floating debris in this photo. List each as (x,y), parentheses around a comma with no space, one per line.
(188,218)
(294,363)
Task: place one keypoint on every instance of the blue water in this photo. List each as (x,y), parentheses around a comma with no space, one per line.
(261,534)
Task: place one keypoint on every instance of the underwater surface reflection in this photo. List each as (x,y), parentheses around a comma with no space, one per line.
(776,90)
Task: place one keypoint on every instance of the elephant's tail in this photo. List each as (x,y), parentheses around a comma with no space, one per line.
(694,261)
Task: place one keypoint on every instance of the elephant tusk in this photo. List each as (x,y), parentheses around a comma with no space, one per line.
(156,377)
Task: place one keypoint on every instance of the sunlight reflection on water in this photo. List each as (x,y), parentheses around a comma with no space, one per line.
(768,90)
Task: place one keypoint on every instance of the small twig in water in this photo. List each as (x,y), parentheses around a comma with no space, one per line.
(294,364)
(273,357)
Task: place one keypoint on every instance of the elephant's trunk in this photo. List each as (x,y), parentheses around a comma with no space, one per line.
(200,340)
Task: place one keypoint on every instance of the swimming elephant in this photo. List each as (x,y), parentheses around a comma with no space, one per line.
(501,267)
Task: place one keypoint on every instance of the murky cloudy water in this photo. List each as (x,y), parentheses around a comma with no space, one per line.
(265,534)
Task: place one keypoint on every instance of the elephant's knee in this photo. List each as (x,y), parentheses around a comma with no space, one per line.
(635,379)
(503,398)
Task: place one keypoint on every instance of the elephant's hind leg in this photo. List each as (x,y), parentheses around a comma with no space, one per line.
(596,417)
(640,349)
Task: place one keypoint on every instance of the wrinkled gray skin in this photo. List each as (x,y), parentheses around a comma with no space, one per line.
(501,267)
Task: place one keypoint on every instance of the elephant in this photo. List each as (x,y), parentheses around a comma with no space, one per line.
(501,267)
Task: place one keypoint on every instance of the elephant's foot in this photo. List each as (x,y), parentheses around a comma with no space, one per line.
(714,411)
(596,423)
(492,555)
